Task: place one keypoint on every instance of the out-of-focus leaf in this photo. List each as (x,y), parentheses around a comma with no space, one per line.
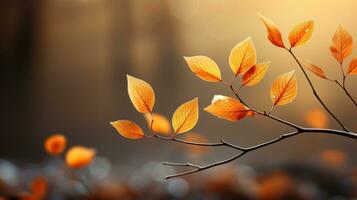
(79,156)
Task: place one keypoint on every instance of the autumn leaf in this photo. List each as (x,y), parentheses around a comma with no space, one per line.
(185,117)
(316,70)
(227,108)
(255,74)
(141,94)
(274,35)
(284,89)
(160,123)
(301,33)
(204,67)
(242,57)
(79,156)
(55,144)
(341,44)
(352,68)
(128,129)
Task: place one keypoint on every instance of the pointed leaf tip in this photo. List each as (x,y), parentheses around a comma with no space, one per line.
(141,94)
(204,67)
(185,116)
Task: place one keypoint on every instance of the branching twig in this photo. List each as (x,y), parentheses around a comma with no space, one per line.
(314,90)
(244,150)
(343,87)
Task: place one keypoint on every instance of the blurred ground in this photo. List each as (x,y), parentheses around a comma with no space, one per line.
(63,70)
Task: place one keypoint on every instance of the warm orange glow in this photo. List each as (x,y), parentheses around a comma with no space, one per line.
(160,123)
(334,158)
(55,144)
(79,156)
(316,118)
(196,137)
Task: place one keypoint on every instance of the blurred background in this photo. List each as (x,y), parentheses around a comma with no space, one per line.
(64,65)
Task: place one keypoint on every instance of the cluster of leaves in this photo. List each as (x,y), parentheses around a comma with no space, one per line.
(242,62)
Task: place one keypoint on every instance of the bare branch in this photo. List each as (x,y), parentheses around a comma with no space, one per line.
(343,87)
(314,91)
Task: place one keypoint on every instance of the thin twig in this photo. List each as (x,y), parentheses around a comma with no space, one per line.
(245,150)
(347,93)
(314,91)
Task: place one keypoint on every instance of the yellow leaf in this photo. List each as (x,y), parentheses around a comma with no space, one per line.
(141,94)
(242,57)
(301,33)
(204,67)
(55,144)
(227,108)
(185,117)
(79,156)
(316,70)
(274,34)
(284,89)
(341,44)
(160,123)
(255,74)
(128,129)
(352,68)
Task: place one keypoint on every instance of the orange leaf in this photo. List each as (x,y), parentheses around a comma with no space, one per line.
(352,68)
(141,94)
(301,33)
(79,156)
(185,117)
(55,144)
(341,44)
(274,34)
(160,123)
(316,70)
(204,67)
(128,129)
(284,89)
(242,57)
(227,108)
(255,74)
